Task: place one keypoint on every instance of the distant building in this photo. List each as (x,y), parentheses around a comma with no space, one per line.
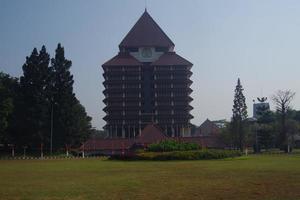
(147,82)
(149,135)
(207,128)
(262,105)
(220,123)
(208,134)
(297,141)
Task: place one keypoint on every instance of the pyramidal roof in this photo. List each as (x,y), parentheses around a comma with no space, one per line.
(146,32)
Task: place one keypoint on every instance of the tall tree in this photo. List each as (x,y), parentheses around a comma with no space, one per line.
(71,123)
(239,116)
(63,96)
(34,108)
(282,100)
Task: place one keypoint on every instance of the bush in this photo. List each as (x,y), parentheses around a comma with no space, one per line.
(172,145)
(182,155)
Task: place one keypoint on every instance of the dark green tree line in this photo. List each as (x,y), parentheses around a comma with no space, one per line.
(8,87)
(42,104)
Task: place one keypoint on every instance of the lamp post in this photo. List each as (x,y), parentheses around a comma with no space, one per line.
(51,130)
(24,151)
(12,150)
(42,153)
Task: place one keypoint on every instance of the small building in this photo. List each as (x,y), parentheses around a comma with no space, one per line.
(110,146)
(207,128)
(149,135)
(208,134)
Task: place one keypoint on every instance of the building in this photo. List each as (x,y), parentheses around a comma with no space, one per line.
(208,134)
(260,107)
(110,146)
(149,135)
(147,82)
(207,128)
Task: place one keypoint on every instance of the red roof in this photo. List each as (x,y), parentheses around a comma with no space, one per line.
(146,32)
(207,128)
(107,144)
(123,59)
(151,134)
(171,58)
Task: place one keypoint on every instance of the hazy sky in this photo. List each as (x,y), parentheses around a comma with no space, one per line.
(258,41)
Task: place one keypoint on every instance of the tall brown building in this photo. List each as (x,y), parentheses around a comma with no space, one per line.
(147,82)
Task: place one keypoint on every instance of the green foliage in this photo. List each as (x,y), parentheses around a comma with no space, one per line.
(239,116)
(7,93)
(239,103)
(71,124)
(205,154)
(282,100)
(265,129)
(34,102)
(43,90)
(172,145)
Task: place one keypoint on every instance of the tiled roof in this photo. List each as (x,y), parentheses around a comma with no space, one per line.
(123,59)
(171,58)
(146,32)
(207,128)
(151,134)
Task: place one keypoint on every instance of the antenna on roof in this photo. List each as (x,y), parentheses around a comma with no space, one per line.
(145,5)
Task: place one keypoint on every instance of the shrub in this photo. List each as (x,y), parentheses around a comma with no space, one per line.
(172,145)
(188,155)
(181,155)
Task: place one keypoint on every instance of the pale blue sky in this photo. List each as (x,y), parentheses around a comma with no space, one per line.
(258,41)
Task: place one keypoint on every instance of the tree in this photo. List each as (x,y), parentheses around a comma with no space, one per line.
(63,98)
(71,123)
(81,126)
(8,87)
(33,112)
(26,107)
(282,100)
(266,131)
(239,116)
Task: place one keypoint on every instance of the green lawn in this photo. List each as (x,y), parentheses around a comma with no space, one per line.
(253,177)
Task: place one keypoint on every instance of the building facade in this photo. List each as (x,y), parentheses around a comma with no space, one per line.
(147,82)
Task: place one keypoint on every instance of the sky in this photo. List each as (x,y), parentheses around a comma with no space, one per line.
(256,41)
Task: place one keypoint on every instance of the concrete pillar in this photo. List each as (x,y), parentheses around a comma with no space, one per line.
(110,131)
(123,132)
(140,130)
(173,131)
(133,131)
(129,134)
(166,130)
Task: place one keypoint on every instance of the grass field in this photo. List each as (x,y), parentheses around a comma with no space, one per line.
(253,177)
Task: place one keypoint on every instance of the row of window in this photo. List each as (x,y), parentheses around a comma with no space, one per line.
(139,68)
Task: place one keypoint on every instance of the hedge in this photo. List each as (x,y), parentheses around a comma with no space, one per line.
(172,145)
(205,154)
